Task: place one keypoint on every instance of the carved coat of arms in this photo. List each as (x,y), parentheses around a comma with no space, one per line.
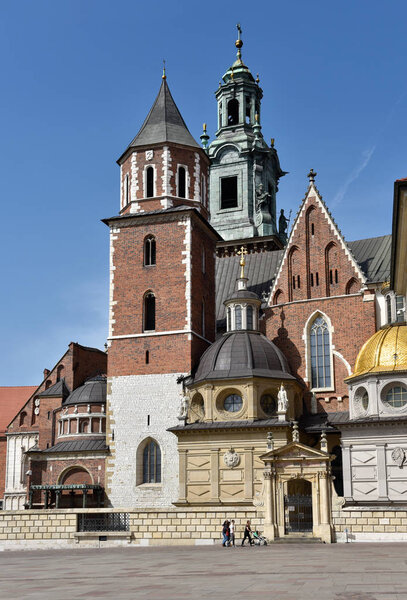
(231,458)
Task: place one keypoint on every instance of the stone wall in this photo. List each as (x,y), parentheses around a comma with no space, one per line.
(56,528)
(370,524)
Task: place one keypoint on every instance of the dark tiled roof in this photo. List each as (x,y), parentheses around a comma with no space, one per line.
(59,389)
(260,270)
(274,422)
(164,123)
(79,446)
(93,390)
(373,256)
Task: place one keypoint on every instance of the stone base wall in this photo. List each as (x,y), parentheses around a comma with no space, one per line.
(55,528)
(365,524)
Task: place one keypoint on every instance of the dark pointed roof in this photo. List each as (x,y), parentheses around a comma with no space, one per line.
(164,123)
(59,389)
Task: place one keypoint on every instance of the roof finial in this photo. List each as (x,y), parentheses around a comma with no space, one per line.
(257,79)
(242,252)
(239,42)
(311,176)
(204,137)
(164,74)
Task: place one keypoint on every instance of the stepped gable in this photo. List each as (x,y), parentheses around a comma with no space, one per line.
(317,262)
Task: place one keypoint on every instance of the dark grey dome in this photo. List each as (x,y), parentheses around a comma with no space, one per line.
(242,354)
(243,294)
(92,391)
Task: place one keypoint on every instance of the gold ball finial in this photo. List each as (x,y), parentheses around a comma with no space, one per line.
(238,43)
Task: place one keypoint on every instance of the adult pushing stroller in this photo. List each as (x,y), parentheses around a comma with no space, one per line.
(258,539)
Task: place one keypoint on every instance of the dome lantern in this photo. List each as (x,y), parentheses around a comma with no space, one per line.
(242,308)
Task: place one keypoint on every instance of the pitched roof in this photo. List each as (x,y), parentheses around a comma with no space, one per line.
(59,389)
(260,270)
(11,400)
(79,446)
(373,256)
(164,123)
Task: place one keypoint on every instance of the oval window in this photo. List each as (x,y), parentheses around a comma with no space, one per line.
(396,396)
(268,404)
(233,403)
(365,401)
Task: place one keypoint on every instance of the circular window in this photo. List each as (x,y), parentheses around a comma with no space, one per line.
(233,403)
(268,404)
(396,396)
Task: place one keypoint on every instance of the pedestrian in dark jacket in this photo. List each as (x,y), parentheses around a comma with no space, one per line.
(247,534)
(226,533)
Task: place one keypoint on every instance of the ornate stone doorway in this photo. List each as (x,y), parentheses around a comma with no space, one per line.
(298,507)
(297,492)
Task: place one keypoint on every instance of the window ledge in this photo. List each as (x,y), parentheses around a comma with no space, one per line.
(152,486)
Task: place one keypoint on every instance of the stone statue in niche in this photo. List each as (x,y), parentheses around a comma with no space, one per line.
(399,456)
(262,199)
(282,400)
(183,411)
(231,458)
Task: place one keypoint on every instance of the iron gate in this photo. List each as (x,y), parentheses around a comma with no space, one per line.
(298,513)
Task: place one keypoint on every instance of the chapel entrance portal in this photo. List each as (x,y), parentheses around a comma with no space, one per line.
(298,506)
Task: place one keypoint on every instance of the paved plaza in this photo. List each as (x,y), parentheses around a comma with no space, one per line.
(280,571)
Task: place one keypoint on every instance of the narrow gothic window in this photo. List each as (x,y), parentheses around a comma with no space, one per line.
(293,282)
(149,312)
(238,317)
(147,357)
(126,190)
(317,278)
(249,317)
(203,318)
(150,182)
(388,308)
(149,251)
(320,354)
(181,182)
(312,229)
(400,311)
(152,463)
(228,192)
(330,277)
(298,281)
(312,280)
(336,275)
(233,112)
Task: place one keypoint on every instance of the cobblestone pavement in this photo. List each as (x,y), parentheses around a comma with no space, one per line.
(281,572)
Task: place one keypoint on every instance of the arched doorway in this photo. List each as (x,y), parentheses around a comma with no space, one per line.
(298,506)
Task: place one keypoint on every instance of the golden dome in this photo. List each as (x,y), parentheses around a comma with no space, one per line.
(385,351)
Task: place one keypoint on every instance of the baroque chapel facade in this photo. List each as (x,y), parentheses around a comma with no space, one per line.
(248,367)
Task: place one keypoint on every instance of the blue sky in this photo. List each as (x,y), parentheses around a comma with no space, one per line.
(78,78)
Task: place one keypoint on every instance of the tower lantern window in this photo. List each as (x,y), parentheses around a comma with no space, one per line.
(228,192)
(233,112)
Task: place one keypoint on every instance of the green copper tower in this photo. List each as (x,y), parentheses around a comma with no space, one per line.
(244,170)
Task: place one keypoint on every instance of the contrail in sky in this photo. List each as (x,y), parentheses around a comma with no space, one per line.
(366,156)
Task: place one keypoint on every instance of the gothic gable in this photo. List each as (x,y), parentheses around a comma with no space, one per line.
(317,262)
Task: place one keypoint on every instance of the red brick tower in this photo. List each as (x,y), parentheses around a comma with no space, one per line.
(162,300)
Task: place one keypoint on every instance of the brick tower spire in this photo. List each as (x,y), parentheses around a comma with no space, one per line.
(162,301)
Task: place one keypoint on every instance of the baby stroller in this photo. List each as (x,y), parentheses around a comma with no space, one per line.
(258,539)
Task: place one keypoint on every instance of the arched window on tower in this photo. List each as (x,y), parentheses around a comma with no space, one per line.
(149,251)
(152,463)
(149,312)
(181,182)
(238,317)
(249,317)
(320,354)
(149,182)
(388,308)
(233,112)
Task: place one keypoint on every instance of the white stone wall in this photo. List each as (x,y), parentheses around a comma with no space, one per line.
(15,491)
(370,472)
(132,399)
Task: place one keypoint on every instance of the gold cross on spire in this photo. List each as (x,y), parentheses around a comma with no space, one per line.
(242,252)
(239,42)
(164,74)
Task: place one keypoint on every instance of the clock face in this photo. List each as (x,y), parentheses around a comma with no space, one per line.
(149,154)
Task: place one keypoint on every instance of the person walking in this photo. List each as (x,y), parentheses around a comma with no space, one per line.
(247,534)
(232,533)
(225,532)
